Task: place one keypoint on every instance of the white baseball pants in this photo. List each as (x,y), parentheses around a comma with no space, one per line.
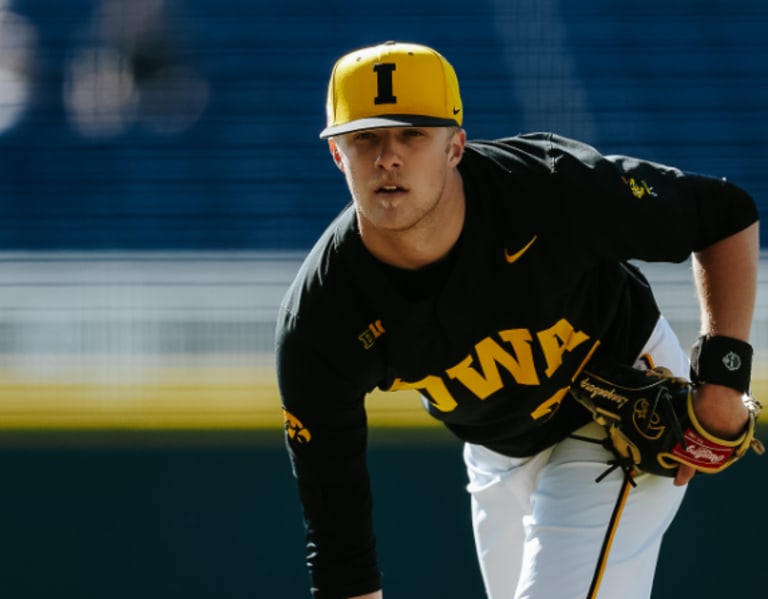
(539,522)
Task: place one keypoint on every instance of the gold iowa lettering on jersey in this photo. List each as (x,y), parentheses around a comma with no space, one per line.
(510,349)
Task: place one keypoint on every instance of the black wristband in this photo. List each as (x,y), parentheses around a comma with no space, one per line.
(722,361)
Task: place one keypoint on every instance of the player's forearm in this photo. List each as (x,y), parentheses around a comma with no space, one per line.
(726,281)
(374,595)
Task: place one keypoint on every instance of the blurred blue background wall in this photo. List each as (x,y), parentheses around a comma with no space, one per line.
(193,124)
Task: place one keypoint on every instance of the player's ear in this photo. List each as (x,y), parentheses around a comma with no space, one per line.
(334,150)
(456,145)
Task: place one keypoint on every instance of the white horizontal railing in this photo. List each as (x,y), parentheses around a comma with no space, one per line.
(184,338)
(157,304)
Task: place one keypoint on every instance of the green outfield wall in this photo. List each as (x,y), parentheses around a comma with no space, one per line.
(212,516)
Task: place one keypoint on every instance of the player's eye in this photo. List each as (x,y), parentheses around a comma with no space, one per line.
(364,136)
(414,133)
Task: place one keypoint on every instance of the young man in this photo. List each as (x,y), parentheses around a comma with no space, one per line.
(485,275)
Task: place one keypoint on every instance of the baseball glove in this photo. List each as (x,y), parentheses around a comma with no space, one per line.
(651,425)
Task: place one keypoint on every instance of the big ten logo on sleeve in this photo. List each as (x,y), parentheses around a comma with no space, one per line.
(369,336)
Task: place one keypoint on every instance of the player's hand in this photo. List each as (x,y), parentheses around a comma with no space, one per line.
(721,411)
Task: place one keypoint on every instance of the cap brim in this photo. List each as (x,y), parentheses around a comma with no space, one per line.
(384,121)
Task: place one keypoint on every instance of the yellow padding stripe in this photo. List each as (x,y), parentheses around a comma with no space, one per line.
(229,399)
(237,397)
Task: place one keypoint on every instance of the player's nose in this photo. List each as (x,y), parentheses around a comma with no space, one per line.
(388,156)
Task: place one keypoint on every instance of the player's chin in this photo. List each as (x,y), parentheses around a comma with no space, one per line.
(389,201)
(393,217)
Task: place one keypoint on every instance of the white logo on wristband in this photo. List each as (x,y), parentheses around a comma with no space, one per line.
(732,361)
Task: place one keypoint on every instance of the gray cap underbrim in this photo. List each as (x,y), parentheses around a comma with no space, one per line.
(386,120)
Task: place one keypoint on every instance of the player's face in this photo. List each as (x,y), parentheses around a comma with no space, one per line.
(397,176)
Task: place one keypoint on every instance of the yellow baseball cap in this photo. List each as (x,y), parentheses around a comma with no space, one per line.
(393,84)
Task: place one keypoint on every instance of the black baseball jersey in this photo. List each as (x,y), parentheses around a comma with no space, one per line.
(491,336)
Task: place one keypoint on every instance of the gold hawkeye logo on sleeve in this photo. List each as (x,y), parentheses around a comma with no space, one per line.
(510,258)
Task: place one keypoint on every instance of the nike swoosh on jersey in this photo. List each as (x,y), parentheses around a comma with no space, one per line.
(510,258)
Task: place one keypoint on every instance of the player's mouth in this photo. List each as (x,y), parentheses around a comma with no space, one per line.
(390,189)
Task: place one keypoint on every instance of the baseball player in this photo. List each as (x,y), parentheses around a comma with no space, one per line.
(486,275)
